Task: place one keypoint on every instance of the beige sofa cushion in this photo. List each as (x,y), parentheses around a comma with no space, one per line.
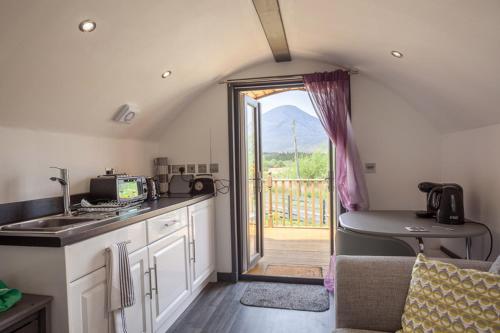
(370,292)
(495,267)
(351,330)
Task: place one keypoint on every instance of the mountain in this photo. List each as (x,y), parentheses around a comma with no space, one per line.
(277,131)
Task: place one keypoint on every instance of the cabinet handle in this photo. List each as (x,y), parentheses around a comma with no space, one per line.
(150,294)
(171,223)
(156,280)
(193,241)
(193,259)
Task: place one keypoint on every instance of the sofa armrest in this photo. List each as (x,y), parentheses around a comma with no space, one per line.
(370,292)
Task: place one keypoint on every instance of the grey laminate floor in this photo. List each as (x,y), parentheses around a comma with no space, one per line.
(218,310)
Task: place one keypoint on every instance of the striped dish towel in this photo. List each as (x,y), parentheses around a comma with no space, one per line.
(120,286)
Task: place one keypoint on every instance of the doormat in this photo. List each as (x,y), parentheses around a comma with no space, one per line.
(295,270)
(302,297)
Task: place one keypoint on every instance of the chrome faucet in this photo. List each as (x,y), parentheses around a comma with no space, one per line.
(64,181)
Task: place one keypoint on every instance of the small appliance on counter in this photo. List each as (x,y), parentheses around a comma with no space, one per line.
(118,188)
(161,174)
(444,202)
(153,189)
(180,185)
(203,184)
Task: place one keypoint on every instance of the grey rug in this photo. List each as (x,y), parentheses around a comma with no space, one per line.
(303,297)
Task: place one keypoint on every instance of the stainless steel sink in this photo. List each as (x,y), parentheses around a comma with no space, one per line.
(61,223)
(50,224)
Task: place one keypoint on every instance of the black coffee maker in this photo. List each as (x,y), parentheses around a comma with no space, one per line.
(444,202)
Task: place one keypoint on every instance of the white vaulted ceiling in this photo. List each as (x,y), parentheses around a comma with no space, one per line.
(54,77)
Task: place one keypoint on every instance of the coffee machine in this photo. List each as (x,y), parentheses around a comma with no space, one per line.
(432,200)
(444,202)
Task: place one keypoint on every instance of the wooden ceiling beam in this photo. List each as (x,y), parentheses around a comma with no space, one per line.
(270,18)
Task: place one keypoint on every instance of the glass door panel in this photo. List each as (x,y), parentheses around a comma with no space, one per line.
(252,182)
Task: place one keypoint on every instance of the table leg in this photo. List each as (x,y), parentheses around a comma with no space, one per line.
(468,245)
(420,245)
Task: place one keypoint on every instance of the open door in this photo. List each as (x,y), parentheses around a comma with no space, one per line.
(251,172)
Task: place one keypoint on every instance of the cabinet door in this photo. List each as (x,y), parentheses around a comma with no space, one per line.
(87,304)
(169,264)
(138,316)
(202,230)
(87,300)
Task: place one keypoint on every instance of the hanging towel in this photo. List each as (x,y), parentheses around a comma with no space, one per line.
(8,297)
(119,284)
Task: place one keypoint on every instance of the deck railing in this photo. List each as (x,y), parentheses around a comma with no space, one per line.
(296,203)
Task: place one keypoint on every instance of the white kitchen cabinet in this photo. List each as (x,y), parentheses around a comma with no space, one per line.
(202,229)
(139,315)
(169,263)
(87,304)
(87,300)
(166,281)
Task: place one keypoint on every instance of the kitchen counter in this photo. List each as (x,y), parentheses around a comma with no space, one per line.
(158,207)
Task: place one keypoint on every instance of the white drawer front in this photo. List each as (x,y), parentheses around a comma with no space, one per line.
(163,225)
(89,255)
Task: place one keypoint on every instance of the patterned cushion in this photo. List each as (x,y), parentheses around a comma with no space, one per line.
(444,298)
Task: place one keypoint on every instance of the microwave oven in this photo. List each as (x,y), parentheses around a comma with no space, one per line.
(120,188)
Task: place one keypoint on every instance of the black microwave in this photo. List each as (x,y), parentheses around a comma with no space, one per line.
(119,188)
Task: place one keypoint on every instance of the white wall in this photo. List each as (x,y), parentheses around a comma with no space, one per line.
(472,159)
(186,140)
(403,144)
(27,155)
(379,116)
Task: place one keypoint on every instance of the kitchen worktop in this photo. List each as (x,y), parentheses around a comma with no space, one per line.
(158,207)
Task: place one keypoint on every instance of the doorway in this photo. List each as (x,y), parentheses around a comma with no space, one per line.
(286,204)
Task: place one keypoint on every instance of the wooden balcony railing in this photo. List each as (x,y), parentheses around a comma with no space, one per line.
(296,203)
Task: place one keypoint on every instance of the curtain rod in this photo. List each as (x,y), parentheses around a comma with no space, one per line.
(291,77)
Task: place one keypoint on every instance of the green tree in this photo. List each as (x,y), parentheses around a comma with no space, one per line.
(314,166)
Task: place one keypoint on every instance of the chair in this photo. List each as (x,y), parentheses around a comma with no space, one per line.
(353,243)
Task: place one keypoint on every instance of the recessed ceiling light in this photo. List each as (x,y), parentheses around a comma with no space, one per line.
(166,74)
(87,26)
(397,54)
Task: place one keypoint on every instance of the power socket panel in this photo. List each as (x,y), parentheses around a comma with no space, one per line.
(202,168)
(176,168)
(214,167)
(191,168)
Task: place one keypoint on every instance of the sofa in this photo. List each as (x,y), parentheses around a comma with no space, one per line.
(370,291)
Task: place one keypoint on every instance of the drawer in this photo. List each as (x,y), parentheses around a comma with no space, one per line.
(89,255)
(163,225)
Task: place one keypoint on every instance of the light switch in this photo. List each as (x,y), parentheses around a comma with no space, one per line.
(370,167)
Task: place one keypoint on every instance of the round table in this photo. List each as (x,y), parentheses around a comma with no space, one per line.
(393,223)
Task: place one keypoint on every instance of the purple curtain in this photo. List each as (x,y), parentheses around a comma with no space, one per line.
(330,93)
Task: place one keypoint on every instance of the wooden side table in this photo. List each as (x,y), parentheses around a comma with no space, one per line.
(30,315)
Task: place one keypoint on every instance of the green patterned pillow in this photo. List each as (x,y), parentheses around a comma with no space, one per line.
(445,298)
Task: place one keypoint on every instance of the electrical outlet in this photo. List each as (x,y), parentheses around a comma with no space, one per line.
(202,168)
(214,167)
(191,168)
(176,168)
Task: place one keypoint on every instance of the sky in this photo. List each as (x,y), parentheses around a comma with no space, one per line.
(298,98)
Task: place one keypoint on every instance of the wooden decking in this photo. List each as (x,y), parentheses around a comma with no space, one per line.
(294,246)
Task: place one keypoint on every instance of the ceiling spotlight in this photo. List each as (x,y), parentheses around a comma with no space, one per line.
(87,26)
(397,54)
(166,74)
